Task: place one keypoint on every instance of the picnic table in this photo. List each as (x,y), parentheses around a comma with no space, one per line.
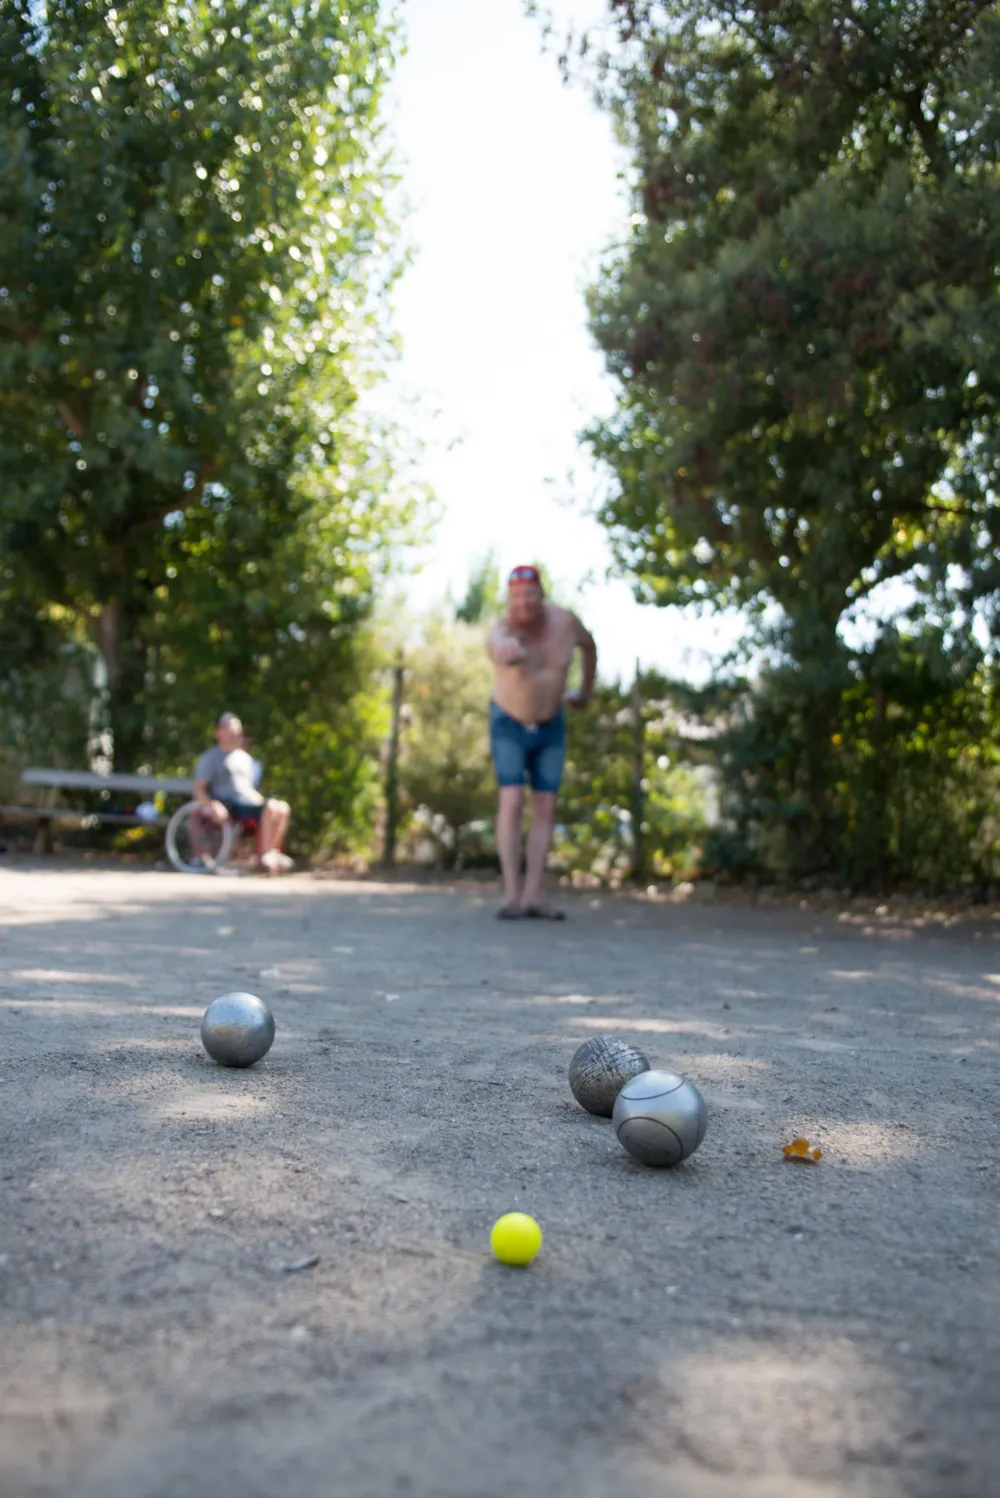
(49,814)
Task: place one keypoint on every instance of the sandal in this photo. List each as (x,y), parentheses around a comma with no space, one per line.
(542,913)
(510,912)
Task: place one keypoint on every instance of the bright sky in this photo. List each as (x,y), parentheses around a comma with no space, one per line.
(513,182)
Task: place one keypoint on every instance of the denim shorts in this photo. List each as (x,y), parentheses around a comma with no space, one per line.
(520,753)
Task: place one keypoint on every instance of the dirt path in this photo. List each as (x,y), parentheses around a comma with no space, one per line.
(736,1328)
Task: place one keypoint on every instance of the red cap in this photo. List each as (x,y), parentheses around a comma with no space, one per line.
(527,574)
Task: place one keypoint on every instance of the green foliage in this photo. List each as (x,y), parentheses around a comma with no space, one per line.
(195,246)
(805,328)
(446,778)
(605,793)
(593,833)
(326,765)
(804,321)
(484,594)
(48,692)
(919,767)
(448,785)
(901,790)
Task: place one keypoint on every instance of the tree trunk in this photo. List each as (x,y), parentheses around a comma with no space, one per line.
(122,647)
(813,845)
(880,787)
(392,767)
(820,657)
(638,808)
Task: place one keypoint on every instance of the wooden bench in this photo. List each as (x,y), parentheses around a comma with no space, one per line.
(85,780)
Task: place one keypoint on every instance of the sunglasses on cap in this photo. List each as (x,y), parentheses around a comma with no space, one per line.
(524,575)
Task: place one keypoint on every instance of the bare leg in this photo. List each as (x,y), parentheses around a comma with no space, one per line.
(509,839)
(210,812)
(273,823)
(279,815)
(543,821)
(268,828)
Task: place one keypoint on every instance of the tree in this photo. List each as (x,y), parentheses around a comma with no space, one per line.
(195,248)
(483,601)
(598,805)
(804,322)
(445,768)
(912,777)
(47,677)
(805,328)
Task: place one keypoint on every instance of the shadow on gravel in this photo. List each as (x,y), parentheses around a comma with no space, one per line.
(738,1326)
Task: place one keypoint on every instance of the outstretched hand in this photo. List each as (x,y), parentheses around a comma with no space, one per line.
(577,698)
(508,651)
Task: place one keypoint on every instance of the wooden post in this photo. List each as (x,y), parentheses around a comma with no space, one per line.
(638,775)
(392,766)
(879,818)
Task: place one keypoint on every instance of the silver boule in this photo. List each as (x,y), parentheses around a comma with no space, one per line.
(600,1069)
(660,1118)
(237,1029)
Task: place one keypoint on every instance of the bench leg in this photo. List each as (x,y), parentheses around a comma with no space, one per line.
(43,837)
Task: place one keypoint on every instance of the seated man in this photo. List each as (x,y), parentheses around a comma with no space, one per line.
(225,783)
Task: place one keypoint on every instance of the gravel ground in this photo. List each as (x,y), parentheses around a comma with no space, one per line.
(742,1326)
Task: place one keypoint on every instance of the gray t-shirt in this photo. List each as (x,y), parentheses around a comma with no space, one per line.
(229,777)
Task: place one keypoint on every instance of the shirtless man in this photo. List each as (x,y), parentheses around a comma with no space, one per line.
(532,650)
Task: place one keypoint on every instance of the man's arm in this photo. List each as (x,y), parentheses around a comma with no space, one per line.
(502,647)
(203,772)
(204,797)
(588,653)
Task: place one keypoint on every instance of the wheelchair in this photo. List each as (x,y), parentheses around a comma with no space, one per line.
(198,844)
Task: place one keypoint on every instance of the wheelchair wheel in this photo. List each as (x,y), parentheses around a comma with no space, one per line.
(195,843)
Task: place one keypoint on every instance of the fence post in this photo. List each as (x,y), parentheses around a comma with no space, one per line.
(879,818)
(392,766)
(638,775)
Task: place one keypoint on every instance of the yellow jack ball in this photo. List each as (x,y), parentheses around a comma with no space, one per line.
(516,1238)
